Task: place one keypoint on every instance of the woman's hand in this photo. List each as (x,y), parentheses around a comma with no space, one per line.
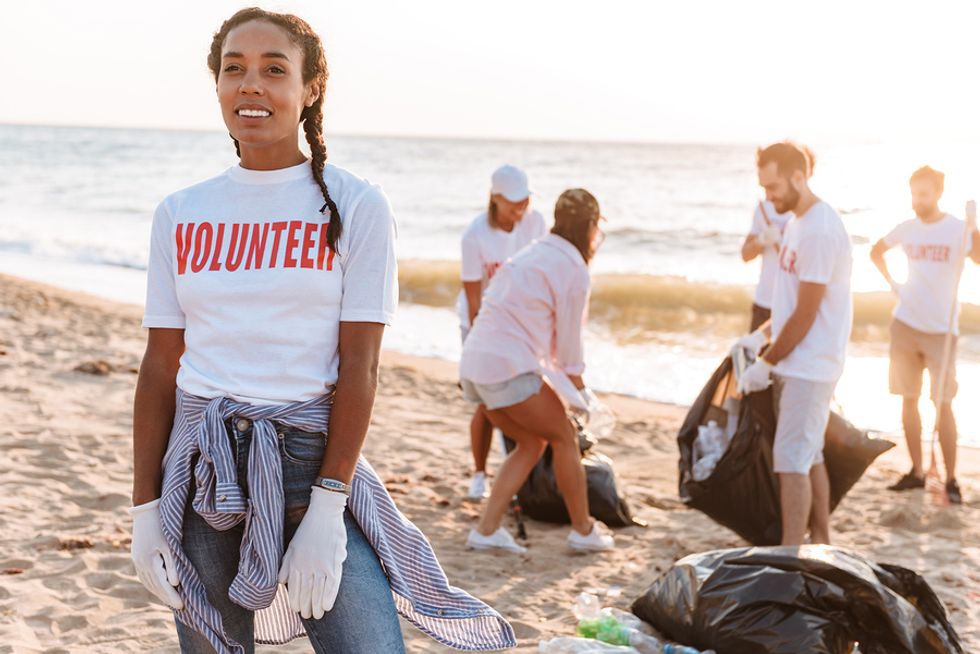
(314,562)
(152,556)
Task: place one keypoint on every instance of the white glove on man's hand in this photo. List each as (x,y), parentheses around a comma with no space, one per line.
(151,555)
(314,561)
(753,341)
(770,235)
(755,378)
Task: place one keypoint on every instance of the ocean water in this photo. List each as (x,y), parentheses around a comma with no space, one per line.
(671,292)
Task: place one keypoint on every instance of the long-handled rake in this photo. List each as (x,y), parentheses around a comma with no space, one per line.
(933,480)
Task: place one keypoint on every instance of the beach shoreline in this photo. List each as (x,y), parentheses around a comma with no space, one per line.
(68,364)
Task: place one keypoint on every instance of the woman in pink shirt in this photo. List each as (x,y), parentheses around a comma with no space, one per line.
(529,325)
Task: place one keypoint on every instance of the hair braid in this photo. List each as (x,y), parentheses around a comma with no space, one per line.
(313,128)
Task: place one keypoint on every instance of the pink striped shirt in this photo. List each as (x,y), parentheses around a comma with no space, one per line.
(531,317)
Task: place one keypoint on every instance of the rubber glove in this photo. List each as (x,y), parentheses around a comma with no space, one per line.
(755,378)
(314,561)
(770,236)
(752,342)
(601,419)
(152,556)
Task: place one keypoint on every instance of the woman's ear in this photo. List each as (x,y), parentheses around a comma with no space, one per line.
(312,95)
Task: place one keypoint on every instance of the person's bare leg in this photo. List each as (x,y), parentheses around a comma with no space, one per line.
(511,475)
(912,426)
(820,505)
(544,415)
(794,500)
(947,438)
(481,435)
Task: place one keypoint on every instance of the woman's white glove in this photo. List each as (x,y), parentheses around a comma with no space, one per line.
(601,419)
(314,561)
(755,378)
(151,555)
(752,342)
(770,236)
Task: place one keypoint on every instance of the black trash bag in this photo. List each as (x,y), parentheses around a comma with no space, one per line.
(540,498)
(815,599)
(742,492)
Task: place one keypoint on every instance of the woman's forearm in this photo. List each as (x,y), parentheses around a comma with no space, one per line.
(153,417)
(357,385)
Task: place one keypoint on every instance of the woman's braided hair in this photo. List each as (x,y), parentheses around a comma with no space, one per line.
(315,70)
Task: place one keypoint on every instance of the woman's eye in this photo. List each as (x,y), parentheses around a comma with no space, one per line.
(277,70)
(231,68)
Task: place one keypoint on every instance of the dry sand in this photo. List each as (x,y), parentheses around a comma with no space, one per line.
(67,372)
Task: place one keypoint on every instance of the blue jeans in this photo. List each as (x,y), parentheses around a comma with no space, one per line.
(363,619)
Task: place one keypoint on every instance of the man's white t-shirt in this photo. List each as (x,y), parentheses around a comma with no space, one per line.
(816,249)
(240,262)
(935,251)
(486,248)
(770,255)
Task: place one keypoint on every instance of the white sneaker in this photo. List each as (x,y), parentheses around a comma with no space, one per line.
(479,489)
(499,539)
(598,540)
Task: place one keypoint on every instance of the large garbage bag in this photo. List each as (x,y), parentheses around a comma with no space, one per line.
(742,492)
(540,498)
(815,599)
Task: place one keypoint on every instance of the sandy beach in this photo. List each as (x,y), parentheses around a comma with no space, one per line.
(68,366)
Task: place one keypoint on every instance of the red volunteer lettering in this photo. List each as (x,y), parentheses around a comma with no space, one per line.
(183,246)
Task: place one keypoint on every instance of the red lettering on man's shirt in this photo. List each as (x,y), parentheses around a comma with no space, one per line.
(183,247)
(787,261)
(292,240)
(936,253)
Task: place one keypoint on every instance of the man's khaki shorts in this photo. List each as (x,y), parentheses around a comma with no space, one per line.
(911,352)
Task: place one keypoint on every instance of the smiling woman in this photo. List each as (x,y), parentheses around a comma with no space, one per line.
(256,389)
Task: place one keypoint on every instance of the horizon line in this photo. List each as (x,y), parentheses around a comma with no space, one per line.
(452,137)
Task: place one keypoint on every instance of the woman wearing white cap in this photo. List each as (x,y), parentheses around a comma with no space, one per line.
(494,236)
(531,325)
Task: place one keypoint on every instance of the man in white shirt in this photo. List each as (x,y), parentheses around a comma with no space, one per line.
(935,243)
(811,324)
(763,240)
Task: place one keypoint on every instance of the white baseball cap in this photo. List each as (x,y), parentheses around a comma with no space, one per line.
(510,182)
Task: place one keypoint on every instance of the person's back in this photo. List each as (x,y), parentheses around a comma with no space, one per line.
(527,312)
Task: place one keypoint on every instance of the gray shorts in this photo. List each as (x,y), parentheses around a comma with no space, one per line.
(503,394)
(802,412)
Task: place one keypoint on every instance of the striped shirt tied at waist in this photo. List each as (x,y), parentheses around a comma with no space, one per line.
(421,590)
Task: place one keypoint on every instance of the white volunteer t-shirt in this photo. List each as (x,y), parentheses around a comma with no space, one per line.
(485,249)
(817,249)
(241,263)
(934,251)
(769,256)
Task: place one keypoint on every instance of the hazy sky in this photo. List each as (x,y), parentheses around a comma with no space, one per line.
(622,70)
